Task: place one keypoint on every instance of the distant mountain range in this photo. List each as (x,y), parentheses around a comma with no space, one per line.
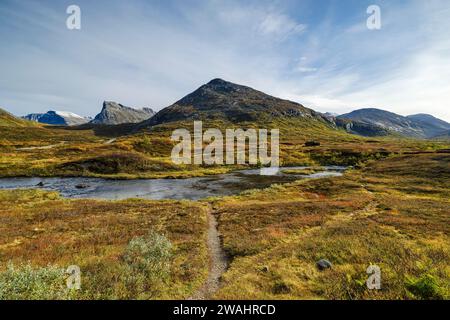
(432,126)
(234,103)
(417,126)
(115,113)
(112,113)
(223,100)
(62,118)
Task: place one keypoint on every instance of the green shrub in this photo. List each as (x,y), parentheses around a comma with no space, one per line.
(149,255)
(426,287)
(27,283)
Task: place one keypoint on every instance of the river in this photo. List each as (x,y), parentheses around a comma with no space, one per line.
(157,189)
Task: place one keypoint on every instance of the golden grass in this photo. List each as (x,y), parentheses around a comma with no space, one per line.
(43,229)
(81,152)
(392,210)
(395,214)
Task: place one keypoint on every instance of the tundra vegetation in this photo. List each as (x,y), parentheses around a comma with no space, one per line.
(390,209)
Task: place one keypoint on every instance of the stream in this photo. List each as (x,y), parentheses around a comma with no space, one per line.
(157,189)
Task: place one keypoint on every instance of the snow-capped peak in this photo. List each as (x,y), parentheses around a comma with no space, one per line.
(67,114)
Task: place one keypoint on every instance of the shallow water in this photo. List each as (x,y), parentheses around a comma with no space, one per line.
(157,189)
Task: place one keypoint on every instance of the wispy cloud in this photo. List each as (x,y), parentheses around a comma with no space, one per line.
(152,53)
(280,25)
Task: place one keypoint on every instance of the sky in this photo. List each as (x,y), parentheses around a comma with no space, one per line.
(149,53)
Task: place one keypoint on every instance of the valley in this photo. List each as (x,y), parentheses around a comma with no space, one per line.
(109,199)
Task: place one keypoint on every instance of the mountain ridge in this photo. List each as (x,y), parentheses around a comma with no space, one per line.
(416,126)
(432,126)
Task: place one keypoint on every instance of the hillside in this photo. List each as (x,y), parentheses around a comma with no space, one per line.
(387,120)
(8,120)
(115,113)
(431,125)
(443,135)
(361,128)
(414,126)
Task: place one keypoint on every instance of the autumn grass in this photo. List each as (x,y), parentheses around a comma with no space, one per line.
(8,120)
(41,229)
(84,151)
(391,209)
(394,213)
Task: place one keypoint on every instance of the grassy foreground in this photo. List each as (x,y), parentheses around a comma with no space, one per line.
(40,232)
(393,213)
(391,210)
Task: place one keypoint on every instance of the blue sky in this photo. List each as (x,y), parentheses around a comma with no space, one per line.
(151,53)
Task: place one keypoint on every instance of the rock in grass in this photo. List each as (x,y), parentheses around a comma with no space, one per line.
(265,269)
(323,264)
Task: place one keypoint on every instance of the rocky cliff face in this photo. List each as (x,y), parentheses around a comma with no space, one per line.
(114,113)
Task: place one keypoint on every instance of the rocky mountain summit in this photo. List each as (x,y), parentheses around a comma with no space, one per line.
(223,100)
(115,113)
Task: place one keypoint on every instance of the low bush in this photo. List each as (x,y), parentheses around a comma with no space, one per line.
(425,287)
(25,282)
(150,254)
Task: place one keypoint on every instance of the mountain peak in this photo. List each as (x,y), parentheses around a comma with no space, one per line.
(220,85)
(423,116)
(220,99)
(217,81)
(62,118)
(115,113)
(112,104)
(433,126)
(372,110)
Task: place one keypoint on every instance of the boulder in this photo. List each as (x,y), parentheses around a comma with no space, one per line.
(323,264)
